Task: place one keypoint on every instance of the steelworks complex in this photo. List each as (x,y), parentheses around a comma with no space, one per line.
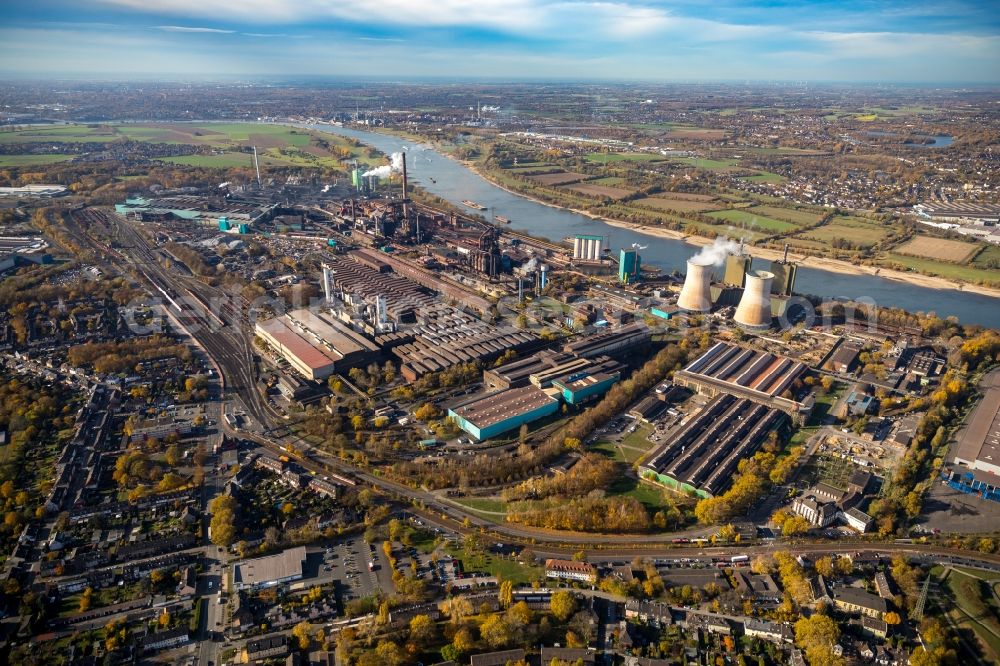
(532,388)
(762,377)
(751,392)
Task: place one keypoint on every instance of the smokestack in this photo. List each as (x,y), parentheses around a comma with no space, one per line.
(256,165)
(754,310)
(784,260)
(696,294)
(406,206)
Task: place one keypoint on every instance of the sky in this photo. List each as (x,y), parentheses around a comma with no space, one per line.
(945,41)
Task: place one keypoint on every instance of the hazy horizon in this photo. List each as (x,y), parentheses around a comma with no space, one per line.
(739,41)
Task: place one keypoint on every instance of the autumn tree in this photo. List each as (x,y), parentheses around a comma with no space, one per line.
(562,604)
(816,636)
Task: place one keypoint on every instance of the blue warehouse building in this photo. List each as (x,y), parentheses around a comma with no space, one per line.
(500,412)
(585,384)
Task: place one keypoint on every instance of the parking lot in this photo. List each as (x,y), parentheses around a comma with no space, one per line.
(346,562)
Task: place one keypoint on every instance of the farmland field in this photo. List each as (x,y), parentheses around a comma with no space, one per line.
(704,163)
(679,205)
(600,191)
(723,229)
(687,196)
(938,248)
(31,160)
(606,158)
(861,232)
(560,178)
(801,217)
(750,219)
(278,145)
(945,269)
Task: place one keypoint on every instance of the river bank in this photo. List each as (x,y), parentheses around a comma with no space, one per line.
(812,261)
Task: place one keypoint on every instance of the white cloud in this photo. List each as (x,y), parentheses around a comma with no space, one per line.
(184,28)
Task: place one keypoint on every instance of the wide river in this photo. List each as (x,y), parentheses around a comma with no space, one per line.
(454,182)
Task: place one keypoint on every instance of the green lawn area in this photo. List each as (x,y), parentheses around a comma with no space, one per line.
(31,160)
(608,158)
(65,133)
(652,497)
(483,504)
(944,269)
(611,181)
(751,219)
(610,449)
(976,609)
(988,258)
(765,177)
(496,566)
(492,510)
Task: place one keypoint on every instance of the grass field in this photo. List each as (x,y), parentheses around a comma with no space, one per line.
(860,232)
(600,191)
(609,158)
(652,497)
(765,177)
(483,504)
(988,258)
(944,269)
(278,145)
(560,178)
(942,249)
(974,608)
(750,219)
(724,229)
(496,566)
(32,160)
(679,205)
(801,217)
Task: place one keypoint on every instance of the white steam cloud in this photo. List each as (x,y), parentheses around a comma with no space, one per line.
(386,170)
(717,252)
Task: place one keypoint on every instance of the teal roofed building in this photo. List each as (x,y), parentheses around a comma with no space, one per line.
(583,386)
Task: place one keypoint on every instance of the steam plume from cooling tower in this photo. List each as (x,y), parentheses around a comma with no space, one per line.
(717,252)
(386,170)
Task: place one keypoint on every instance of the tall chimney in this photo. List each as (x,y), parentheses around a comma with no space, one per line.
(406,205)
(754,310)
(696,294)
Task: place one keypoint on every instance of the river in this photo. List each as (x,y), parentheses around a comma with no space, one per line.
(455,182)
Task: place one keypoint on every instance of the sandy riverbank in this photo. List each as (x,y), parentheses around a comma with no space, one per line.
(807,260)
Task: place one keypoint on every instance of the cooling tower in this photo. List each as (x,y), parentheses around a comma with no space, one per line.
(754,310)
(696,294)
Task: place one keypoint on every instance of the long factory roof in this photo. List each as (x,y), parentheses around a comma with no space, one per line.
(746,369)
(498,407)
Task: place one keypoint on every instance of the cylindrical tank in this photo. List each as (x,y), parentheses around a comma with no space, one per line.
(754,310)
(577,252)
(696,294)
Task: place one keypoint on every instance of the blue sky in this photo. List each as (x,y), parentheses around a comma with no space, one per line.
(846,40)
